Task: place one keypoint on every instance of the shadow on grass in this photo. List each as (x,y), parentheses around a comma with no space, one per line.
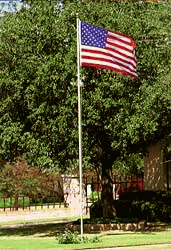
(49,229)
(128,233)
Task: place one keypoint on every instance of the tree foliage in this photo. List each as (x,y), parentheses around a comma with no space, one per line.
(21,179)
(38,106)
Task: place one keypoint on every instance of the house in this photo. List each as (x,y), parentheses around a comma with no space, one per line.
(157,167)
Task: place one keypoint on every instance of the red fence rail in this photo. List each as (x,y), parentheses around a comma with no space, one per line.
(120,184)
(93,188)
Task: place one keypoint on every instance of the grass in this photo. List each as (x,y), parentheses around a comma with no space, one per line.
(9,202)
(26,202)
(34,236)
(43,241)
(34,221)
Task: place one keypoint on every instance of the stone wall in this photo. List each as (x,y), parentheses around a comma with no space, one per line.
(138,226)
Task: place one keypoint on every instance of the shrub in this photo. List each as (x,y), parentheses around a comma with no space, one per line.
(123,208)
(68,237)
(95,195)
(96,210)
(138,195)
(48,199)
(166,198)
(166,213)
(53,199)
(150,205)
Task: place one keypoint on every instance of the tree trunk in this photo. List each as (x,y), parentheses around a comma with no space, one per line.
(109,210)
(16,202)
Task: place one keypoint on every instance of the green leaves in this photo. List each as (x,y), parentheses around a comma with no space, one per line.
(38,78)
(21,179)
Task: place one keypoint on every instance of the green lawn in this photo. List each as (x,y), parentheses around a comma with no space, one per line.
(26,202)
(107,240)
(9,202)
(55,219)
(42,237)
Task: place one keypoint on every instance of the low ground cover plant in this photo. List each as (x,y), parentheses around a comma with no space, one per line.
(70,237)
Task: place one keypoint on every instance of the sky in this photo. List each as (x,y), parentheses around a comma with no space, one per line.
(5,3)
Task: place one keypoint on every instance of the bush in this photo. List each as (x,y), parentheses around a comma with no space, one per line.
(138,195)
(48,199)
(95,195)
(145,205)
(123,208)
(114,220)
(96,210)
(55,199)
(166,213)
(69,237)
(150,205)
(166,198)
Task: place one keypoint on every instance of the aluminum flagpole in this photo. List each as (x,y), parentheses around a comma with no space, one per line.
(79,122)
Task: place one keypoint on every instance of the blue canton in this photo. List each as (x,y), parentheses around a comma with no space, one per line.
(93,36)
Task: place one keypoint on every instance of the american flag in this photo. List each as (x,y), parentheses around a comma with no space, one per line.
(107,49)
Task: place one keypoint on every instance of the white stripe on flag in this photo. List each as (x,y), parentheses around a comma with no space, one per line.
(95,53)
(99,56)
(112,65)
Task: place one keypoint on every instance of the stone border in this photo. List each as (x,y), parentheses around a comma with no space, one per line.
(140,226)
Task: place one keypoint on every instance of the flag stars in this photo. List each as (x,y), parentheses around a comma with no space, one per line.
(93,36)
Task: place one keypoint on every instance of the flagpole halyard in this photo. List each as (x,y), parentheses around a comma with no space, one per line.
(79,121)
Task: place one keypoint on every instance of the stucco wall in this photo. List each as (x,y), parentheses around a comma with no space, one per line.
(154,170)
(71,187)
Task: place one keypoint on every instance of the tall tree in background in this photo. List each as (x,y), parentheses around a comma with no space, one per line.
(38,87)
(20,179)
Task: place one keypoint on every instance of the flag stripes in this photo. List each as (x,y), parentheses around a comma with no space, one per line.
(106,57)
(101,48)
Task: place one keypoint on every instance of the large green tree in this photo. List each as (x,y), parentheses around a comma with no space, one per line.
(38,86)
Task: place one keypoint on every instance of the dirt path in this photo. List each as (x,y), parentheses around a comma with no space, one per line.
(35,214)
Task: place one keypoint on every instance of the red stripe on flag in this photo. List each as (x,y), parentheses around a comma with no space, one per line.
(119,40)
(114,62)
(110,68)
(122,54)
(107,52)
(117,46)
(132,42)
